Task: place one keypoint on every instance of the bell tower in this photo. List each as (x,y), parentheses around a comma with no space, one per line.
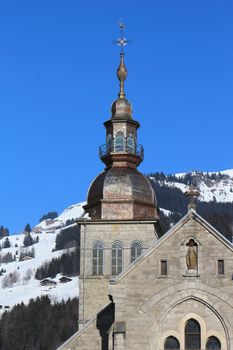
(121,205)
(121,191)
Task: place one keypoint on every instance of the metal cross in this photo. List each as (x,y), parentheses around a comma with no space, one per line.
(122,41)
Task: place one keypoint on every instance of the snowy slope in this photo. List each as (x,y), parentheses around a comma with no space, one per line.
(219,190)
(73,212)
(23,290)
(165,211)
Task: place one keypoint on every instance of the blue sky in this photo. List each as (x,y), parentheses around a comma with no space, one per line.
(58,80)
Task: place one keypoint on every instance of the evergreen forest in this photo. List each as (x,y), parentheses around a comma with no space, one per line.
(41,325)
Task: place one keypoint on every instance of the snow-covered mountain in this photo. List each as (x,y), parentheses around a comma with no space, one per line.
(71,213)
(214,186)
(26,286)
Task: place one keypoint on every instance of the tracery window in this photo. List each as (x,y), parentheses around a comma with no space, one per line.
(171,343)
(192,335)
(98,258)
(213,344)
(119,142)
(117,257)
(135,250)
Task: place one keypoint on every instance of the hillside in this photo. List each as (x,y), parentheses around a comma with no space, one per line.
(215,202)
(17,282)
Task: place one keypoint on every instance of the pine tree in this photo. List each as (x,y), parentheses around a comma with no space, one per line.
(6,243)
(28,228)
(27,240)
(49,215)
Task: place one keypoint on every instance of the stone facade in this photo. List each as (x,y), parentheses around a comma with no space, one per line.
(150,306)
(96,287)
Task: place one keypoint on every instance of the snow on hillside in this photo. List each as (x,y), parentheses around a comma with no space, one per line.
(25,289)
(221,192)
(228,172)
(165,211)
(220,189)
(73,212)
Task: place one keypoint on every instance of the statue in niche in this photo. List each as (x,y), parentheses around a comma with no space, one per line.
(191,255)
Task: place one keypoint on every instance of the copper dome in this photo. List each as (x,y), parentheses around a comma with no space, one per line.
(122,109)
(121,193)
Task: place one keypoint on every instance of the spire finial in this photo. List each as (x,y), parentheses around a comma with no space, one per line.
(121,71)
(122,41)
(192,193)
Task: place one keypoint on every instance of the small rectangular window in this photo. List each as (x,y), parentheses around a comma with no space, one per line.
(163,267)
(221,267)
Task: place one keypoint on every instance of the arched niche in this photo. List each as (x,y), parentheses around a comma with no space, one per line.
(191,255)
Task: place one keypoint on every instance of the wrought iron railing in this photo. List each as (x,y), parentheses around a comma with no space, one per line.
(121,144)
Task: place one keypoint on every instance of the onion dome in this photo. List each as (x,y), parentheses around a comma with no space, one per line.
(122,109)
(121,193)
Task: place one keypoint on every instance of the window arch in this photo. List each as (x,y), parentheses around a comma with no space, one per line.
(192,335)
(117,257)
(171,343)
(119,142)
(213,344)
(98,258)
(135,250)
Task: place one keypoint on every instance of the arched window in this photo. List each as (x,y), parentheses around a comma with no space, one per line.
(192,335)
(213,344)
(136,250)
(117,257)
(130,144)
(109,143)
(98,258)
(171,343)
(119,142)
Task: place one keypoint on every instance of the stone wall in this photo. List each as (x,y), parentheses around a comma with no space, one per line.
(149,306)
(97,287)
(155,306)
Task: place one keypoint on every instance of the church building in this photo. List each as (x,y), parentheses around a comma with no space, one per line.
(141,289)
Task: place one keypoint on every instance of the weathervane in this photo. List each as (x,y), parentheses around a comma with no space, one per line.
(121,41)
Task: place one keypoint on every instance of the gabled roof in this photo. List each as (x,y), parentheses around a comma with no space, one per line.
(192,214)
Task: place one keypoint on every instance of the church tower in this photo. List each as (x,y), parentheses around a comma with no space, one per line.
(121,205)
(121,192)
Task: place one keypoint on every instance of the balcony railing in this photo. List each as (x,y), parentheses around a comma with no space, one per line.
(121,144)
